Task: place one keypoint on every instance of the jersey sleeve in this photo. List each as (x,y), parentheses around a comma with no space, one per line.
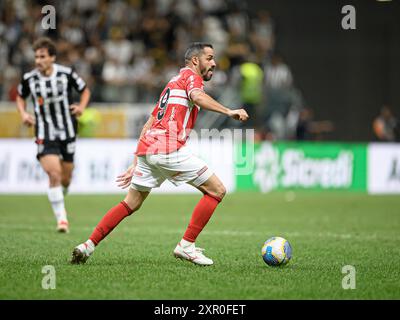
(193,82)
(77,82)
(23,88)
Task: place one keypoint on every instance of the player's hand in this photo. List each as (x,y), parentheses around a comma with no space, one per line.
(239,114)
(124,179)
(28,119)
(76,109)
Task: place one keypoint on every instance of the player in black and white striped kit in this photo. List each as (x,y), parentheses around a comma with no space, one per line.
(50,86)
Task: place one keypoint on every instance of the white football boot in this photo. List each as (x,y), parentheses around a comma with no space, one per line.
(62,226)
(192,254)
(82,252)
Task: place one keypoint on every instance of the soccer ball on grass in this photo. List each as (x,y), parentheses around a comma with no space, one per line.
(276,251)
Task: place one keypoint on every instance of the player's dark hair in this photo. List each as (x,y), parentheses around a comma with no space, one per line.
(195,49)
(45,43)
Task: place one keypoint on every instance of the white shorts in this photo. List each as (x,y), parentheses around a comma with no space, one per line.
(178,167)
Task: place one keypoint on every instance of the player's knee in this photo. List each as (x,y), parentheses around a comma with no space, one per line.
(135,198)
(134,203)
(135,206)
(66,181)
(218,191)
(221,191)
(54,176)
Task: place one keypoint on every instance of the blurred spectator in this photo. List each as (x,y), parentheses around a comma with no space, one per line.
(385,125)
(212,6)
(280,96)
(117,47)
(278,74)
(251,89)
(237,21)
(11,80)
(262,35)
(309,129)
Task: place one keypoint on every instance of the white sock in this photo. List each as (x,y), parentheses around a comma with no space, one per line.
(56,198)
(90,245)
(185,243)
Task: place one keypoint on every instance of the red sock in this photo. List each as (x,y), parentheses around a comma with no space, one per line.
(201,214)
(111,219)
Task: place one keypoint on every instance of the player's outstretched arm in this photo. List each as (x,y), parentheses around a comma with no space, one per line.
(27,119)
(203,100)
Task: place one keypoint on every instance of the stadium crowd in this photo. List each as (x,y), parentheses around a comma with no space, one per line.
(126,50)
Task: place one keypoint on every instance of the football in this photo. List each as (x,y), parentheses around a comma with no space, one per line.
(276,251)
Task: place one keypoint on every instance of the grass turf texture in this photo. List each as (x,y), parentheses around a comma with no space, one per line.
(326,230)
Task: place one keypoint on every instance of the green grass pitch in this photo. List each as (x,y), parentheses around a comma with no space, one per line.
(326,230)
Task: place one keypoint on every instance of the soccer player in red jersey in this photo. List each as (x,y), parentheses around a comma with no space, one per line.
(161,154)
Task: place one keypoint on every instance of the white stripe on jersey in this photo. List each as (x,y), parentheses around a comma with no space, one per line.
(178,93)
(190,92)
(66,107)
(60,123)
(185,121)
(40,121)
(46,109)
(180,101)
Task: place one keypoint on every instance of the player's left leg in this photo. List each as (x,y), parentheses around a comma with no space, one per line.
(67,150)
(146,178)
(132,202)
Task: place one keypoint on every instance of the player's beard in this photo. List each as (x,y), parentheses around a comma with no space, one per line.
(207,77)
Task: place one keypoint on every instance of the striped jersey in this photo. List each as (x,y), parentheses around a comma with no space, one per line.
(52,97)
(174,115)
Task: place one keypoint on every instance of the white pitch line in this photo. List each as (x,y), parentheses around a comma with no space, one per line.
(344,236)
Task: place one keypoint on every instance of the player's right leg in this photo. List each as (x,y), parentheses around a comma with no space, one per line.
(213,191)
(51,164)
(183,167)
(112,218)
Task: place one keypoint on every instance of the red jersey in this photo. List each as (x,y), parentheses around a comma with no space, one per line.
(174,113)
